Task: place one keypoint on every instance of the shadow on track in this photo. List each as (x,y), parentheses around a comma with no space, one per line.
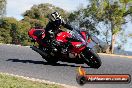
(42,62)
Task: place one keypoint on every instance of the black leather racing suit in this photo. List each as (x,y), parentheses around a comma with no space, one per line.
(55,29)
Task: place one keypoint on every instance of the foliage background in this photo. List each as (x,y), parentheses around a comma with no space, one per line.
(109,15)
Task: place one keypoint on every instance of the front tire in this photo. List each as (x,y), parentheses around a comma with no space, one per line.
(90,58)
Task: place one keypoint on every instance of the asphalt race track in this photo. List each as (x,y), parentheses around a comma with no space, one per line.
(26,62)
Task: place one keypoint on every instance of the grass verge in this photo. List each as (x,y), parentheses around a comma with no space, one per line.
(7,81)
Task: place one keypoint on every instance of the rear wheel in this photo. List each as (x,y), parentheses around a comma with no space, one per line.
(91,58)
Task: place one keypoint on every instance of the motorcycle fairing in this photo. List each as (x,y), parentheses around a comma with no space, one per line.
(34,33)
(77,44)
(61,37)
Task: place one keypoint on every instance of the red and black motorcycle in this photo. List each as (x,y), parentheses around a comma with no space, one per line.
(71,47)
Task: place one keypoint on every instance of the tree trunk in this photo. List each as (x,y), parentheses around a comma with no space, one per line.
(112,39)
(112,43)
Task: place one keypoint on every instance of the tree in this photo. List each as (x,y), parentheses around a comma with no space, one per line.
(2,7)
(38,14)
(79,19)
(23,37)
(110,13)
(14,32)
(9,30)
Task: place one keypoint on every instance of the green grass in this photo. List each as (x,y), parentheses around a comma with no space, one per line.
(7,81)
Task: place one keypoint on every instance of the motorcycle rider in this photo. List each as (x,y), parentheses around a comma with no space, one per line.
(52,28)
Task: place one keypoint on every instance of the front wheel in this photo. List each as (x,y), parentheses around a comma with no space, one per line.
(90,58)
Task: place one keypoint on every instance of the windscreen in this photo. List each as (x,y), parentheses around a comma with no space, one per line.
(76,34)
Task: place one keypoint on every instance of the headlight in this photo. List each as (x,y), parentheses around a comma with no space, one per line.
(79,45)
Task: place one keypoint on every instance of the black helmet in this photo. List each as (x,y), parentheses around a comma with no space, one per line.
(55,17)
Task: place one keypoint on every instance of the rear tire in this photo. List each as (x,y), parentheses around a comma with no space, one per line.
(91,58)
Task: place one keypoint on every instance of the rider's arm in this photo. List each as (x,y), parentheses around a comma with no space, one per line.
(66,25)
(48,26)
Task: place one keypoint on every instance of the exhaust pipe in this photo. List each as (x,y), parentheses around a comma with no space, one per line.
(38,51)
